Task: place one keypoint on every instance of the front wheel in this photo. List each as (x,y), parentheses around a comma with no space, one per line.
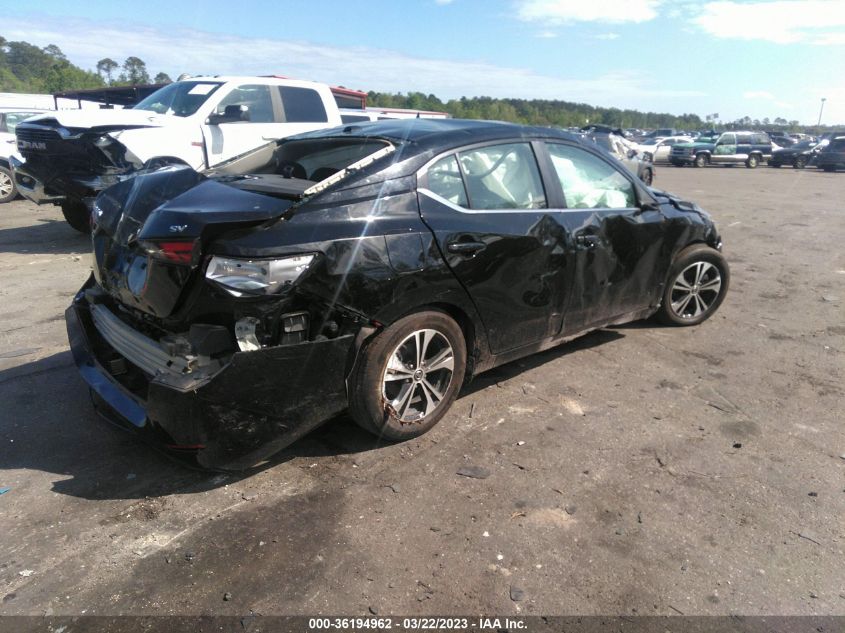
(696,286)
(408,376)
(77,215)
(8,191)
(752,161)
(701,160)
(800,162)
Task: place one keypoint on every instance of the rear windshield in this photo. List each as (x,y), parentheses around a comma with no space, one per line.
(306,166)
(182,98)
(836,145)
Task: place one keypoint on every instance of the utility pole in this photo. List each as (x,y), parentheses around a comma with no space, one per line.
(821,109)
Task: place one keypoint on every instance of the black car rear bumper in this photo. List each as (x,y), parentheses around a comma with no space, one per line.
(256,404)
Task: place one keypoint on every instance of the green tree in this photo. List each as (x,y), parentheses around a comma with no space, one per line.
(106,66)
(134,72)
(55,52)
(162,78)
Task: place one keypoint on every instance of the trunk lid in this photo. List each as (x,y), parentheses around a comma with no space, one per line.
(150,233)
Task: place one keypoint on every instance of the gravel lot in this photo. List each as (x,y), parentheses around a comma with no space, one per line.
(638,470)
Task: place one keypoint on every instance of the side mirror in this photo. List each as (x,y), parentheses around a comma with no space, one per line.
(231,114)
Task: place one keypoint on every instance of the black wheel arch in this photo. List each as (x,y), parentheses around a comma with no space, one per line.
(478,351)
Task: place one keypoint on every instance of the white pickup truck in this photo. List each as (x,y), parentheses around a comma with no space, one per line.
(70,156)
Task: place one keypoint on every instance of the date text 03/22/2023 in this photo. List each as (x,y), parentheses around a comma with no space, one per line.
(412,624)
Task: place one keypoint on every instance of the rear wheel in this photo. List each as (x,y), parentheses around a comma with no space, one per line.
(8,191)
(701,160)
(648,177)
(408,376)
(752,161)
(800,162)
(77,215)
(696,286)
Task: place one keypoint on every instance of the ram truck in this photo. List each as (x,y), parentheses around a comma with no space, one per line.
(70,156)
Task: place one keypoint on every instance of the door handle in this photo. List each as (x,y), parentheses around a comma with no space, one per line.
(465,248)
(590,241)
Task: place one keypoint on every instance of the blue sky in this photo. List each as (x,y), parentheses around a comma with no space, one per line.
(760,58)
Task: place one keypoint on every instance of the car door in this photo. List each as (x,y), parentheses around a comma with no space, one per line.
(227,140)
(488,210)
(664,147)
(616,257)
(725,149)
(743,147)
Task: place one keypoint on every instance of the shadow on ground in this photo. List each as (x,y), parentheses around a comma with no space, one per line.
(45,236)
(52,427)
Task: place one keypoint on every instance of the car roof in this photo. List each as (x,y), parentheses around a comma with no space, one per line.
(438,133)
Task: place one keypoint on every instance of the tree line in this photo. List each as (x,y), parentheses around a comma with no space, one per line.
(27,68)
(542,112)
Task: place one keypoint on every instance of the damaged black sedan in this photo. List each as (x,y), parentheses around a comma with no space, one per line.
(372,268)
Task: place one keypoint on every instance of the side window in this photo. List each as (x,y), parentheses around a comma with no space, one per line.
(302,105)
(503,177)
(256,98)
(444,179)
(589,182)
(743,139)
(727,139)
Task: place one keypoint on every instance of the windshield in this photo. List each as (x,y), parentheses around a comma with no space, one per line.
(181,99)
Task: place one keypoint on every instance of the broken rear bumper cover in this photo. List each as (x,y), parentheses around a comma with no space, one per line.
(231,416)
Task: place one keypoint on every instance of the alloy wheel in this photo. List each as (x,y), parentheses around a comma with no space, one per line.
(695,290)
(5,185)
(418,375)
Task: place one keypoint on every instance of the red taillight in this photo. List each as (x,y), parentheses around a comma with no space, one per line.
(176,252)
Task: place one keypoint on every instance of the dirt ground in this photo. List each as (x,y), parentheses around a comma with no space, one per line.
(639,470)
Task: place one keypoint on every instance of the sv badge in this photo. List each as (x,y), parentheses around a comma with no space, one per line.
(178,228)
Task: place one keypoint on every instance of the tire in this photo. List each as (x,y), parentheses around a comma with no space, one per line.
(800,162)
(648,177)
(752,161)
(8,190)
(696,286)
(390,394)
(77,215)
(701,160)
